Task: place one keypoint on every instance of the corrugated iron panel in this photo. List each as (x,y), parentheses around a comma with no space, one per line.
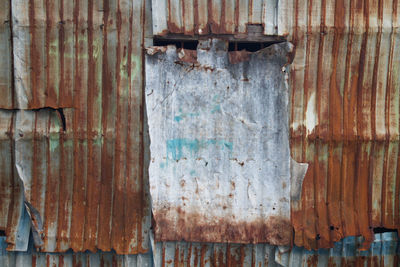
(345,118)
(345,104)
(384,251)
(81,206)
(63,48)
(6,80)
(86,176)
(202,17)
(6,167)
(70,259)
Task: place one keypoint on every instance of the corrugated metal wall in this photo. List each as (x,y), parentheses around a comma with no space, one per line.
(6,58)
(69,259)
(86,177)
(202,17)
(344,105)
(345,118)
(383,252)
(75,55)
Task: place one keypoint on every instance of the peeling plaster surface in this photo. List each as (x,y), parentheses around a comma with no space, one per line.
(220,161)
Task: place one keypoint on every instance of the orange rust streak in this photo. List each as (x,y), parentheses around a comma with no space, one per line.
(334,190)
(52,184)
(37,181)
(80,136)
(321,166)
(335,98)
(93,183)
(35,64)
(51,61)
(321,171)
(349,188)
(118,217)
(105,207)
(133,173)
(308,200)
(384,187)
(347,104)
(362,197)
(202,255)
(61,49)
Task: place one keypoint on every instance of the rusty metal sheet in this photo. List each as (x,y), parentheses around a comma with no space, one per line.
(220,165)
(6,166)
(6,92)
(79,62)
(384,251)
(31,257)
(345,118)
(201,17)
(53,166)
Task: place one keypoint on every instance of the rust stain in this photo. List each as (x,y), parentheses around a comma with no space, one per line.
(238,56)
(275,230)
(34,56)
(312,261)
(186,55)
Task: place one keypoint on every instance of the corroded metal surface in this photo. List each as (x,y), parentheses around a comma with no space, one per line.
(70,200)
(345,84)
(202,17)
(344,110)
(220,165)
(70,259)
(6,92)
(384,251)
(86,173)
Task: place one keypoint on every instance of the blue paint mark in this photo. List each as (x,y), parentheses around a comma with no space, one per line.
(216,100)
(193,172)
(228,145)
(215,109)
(162,165)
(178,118)
(182,116)
(178,148)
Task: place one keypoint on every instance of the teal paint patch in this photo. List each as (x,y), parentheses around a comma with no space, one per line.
(178,118)
(192,172)
(182,116)
(228,145)
(182,147)
(215,109)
